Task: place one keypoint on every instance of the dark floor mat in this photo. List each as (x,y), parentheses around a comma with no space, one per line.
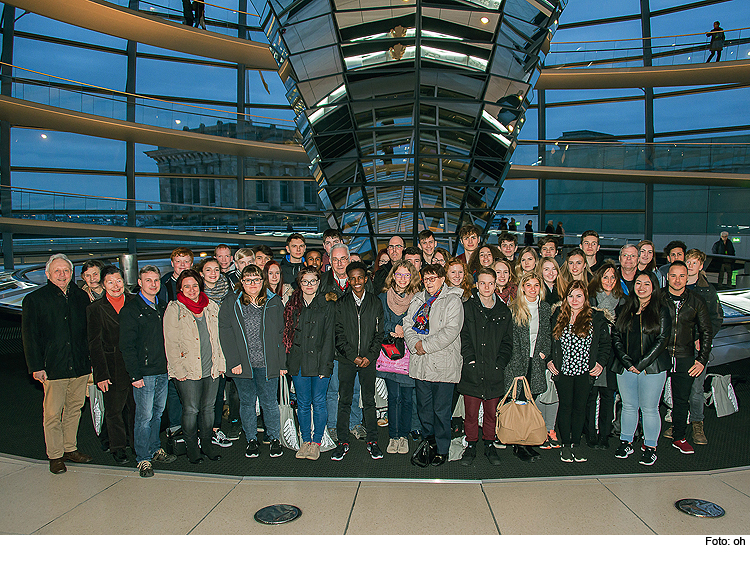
(21,423)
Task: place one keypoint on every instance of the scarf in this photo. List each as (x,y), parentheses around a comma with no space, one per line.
(195,308)
(396,303)
(291,318)
(219,290)
(508,294)
(422,317)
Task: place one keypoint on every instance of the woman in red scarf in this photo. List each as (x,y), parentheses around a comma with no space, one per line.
(194,360)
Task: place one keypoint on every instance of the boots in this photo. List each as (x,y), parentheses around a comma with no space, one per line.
(699,437)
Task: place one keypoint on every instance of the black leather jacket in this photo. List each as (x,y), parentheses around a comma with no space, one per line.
(692,312)
(653,357)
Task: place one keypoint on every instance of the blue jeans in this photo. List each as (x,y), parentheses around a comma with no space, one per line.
(641,391)
(263,389)
(332,400)
(311,396)
(198,399)
(150,401)
(399,409)
(434,407)
(174,409)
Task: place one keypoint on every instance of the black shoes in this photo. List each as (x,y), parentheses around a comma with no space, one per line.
(341,450)
(522,453)
(491,452)
(120,456)
(470,453)
(439,459)
(252,449)
(648,455)
(624,450)
(214,457)
(374,450)
(276,450)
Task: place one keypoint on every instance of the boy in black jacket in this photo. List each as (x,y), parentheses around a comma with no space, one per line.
(359,334)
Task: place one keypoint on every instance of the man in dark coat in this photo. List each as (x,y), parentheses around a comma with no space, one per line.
(54,342)
(486,346)
(724,247)
(110,374)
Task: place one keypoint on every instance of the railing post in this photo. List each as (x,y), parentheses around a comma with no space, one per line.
(6,208)
(241,85)
(129,145)
(648,224)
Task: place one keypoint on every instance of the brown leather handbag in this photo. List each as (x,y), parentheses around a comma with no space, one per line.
(520,422)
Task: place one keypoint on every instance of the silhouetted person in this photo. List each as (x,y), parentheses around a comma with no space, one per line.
(717,42)
(187,12)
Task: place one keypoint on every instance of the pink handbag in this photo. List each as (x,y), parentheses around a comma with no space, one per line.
(384,363)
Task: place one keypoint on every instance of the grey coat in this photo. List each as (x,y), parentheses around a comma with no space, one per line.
(519,359)
(442,360)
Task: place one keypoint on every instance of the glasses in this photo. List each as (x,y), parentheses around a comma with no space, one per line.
(407,275)
(340,260)
(252,281)
(630,256)
(430,279)
(308,283)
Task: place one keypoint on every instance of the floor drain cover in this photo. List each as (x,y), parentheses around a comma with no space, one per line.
(701,508)
(277,514)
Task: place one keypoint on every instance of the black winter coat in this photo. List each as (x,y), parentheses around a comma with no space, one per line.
(234,340)
(54,331)
(601,343)
(142,338)
(653,356)
(359,333)
(103,324)
(693,314)
(314,339)
(486,346)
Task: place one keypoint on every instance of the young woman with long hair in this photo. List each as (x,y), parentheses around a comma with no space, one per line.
(580,351)
(273,279)
(441,257)
(401,285)
(573,268)
(528,260)
(505,284)
(647,260)
(457,275)
(381,259)
(531,344)
(309,326)
(550,271)
(640,338)
(215,285)
(605,293)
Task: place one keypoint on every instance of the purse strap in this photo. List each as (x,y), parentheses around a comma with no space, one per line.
(511,391)
(283,392)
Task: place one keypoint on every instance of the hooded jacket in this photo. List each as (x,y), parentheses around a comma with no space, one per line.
(314,338)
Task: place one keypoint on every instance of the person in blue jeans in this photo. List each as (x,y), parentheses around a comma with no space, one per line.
(309,322)
(640,337)
(142,347)
(401,284)
(251,325)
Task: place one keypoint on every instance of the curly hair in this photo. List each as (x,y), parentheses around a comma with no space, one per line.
(467,283)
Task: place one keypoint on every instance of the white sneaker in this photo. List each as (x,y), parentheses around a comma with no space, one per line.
(403,445)
(302,452)
(392,446)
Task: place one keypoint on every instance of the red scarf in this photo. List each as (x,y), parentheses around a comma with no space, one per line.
(195,308)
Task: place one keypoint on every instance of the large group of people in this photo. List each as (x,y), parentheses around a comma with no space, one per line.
(225,337)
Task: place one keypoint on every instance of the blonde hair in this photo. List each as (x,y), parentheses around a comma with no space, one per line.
(519,306)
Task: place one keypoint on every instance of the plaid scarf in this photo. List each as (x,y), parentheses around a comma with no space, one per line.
(422,317)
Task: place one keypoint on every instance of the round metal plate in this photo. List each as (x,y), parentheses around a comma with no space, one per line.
(277,514)
(700,508)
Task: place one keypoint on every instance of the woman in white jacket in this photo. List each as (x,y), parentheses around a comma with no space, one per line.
(432,331)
